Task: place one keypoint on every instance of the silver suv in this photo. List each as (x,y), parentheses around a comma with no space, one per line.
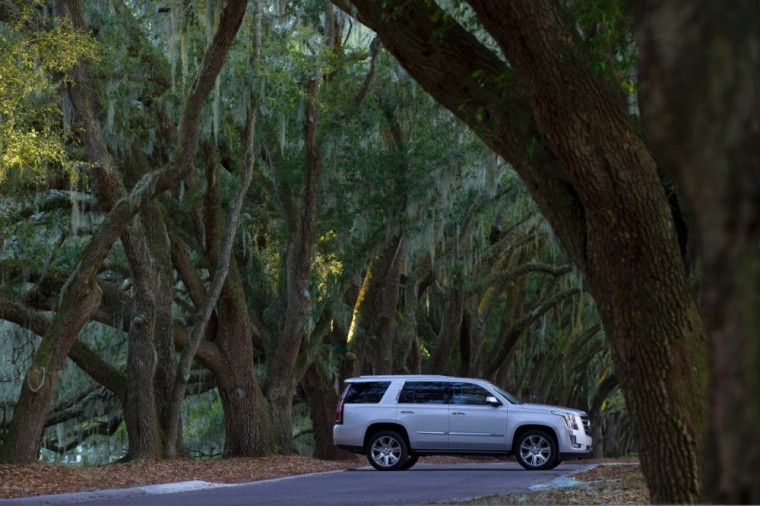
(396,419)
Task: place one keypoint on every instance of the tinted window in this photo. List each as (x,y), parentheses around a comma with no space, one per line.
(425,392)
(369,392)
(467,393)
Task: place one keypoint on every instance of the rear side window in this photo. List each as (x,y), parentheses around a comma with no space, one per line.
(369,392)
(425,392)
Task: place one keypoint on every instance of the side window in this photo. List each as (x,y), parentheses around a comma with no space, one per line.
(469,394)
(425,392)
(369,392)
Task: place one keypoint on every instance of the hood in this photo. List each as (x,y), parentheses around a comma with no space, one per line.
(546,408)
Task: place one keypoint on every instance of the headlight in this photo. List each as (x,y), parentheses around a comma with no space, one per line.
(571,421)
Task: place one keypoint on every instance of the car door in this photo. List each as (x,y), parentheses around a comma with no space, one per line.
(474,424)
(423,409)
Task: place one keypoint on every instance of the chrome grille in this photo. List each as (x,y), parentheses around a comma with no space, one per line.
(586,425)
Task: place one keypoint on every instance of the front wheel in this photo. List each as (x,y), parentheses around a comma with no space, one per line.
(387,451)
(536,450)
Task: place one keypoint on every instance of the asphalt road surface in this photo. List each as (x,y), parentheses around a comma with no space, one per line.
(423,484)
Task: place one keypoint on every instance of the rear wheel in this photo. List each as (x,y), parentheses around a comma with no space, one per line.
(536,450)
(387,451)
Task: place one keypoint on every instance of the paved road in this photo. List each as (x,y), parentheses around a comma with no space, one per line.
(424,483)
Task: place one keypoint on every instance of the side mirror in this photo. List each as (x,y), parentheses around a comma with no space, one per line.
(493,401)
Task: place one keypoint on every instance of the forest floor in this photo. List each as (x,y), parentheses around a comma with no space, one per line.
(613,481)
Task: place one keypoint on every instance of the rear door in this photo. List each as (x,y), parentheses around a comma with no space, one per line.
(423,409)
(475,425)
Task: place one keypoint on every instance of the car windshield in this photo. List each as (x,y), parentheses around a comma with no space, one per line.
(511,398)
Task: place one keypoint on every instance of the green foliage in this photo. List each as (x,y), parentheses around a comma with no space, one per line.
(33,64)
(604,26)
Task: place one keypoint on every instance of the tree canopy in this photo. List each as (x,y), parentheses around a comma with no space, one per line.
(214,212)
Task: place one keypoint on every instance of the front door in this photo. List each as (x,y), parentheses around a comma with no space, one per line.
(475,425)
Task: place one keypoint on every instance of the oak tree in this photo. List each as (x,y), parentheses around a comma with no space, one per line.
(525,81)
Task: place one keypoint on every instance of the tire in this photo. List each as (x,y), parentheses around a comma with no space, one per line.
(556,463)
(410,461)
(536,450)
(387,451)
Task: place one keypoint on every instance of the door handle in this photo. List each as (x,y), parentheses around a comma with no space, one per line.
(407,412)
(457,413)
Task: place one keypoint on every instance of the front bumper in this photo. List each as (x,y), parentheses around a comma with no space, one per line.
(576,444)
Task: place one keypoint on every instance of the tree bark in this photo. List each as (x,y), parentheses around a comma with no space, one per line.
(364,306)
(229,355)
(374,327)
(21,444)
(322,399)
(140,410)
(247,420)
(151,269)
(385,326)
(700,100)
(566,132)
(407,361)
(448,334)
(163,336)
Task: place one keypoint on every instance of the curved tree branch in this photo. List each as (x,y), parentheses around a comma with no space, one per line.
(509,341)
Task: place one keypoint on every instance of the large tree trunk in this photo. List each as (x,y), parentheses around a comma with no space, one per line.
(152,269)
(248,426)
(247,422)
(151,356)
(632,261)
(359,333)
(385,333)
(163,337)
(140,412)
(229,356)
(451,324)
(21,443)
(409,359)
(375,312)
(322,399)
(598,187)
(700,99)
